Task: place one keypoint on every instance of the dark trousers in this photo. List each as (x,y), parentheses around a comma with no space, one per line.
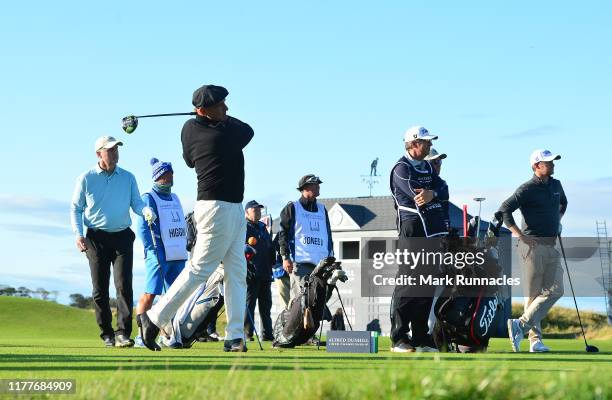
(104,249)
(259,291)
(410,306)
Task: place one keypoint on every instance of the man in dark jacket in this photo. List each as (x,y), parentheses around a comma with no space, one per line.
(542,203)
(421,215)
(259,287)
(305,237)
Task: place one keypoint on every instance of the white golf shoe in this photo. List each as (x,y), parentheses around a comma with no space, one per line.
(426,349)
(515,332)
(538,347)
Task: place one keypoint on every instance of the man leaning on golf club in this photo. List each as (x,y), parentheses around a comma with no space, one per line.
(542,203)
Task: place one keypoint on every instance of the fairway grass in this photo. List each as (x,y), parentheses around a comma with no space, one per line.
(206,372)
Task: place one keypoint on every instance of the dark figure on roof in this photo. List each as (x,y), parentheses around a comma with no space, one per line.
(373,167)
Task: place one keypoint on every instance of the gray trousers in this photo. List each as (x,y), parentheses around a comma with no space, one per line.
(542,278)
(284,284)
(299,276)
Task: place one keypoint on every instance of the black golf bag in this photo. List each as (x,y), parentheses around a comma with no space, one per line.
(465,315)
(302,318)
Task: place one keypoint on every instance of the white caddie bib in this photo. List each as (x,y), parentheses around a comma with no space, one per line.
(172,227)
(311,241)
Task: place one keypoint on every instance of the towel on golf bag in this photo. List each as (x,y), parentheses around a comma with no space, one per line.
(465,315)
(197,312)
(302,318)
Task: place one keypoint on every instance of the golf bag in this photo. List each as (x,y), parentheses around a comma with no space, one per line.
(465,315)
(302,318)
(197,312)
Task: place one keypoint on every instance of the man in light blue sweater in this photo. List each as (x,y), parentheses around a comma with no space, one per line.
(101,202)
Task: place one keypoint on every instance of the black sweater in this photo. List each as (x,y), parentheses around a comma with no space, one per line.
(215,150)
(541,204)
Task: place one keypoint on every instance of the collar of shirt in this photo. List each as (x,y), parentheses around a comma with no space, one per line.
(209,123)
(308,205)
(539,181)
(101,171)
(415,163)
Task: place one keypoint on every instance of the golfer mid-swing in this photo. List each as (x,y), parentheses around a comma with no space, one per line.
(212,144)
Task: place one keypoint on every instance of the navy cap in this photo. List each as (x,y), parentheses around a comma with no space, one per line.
(253,204)
(208,95)
(307,180)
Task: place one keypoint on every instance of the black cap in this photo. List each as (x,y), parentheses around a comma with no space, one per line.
(208,95)
(253,204)
(307,180)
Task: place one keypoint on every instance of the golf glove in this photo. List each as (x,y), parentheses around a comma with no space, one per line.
(337,275)
(559,229)
(149,215)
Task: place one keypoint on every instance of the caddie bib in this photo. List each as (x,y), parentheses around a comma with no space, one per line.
(311,241)
(172,227)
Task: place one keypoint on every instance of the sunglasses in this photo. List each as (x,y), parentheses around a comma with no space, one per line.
(314,179)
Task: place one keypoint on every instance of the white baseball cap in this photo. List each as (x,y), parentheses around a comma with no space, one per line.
(418,133)
(106,142)
(433,154)
(542,155)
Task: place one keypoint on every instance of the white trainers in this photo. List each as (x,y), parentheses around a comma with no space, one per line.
(402,347)
(538,347)
(426,349)
(515,332)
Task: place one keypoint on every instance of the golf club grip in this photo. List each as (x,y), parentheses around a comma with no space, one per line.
(164,115)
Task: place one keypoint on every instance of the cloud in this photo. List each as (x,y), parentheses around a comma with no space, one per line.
(46,230)
(537,131)
(40,207)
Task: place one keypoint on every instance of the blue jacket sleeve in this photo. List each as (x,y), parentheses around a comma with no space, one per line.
(143,228)
(401,182)
(443,197)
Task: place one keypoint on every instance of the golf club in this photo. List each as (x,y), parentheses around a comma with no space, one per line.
(130,123)
(589,348)
(479,200)
(342,305)
(254,328)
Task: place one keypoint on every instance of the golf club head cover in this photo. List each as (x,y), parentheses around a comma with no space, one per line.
(337,275)
(149,215)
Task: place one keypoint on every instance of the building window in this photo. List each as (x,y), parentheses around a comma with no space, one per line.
(349,250)
(376,246)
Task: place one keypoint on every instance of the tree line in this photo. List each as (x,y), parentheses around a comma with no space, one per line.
(76,299)
(22,291)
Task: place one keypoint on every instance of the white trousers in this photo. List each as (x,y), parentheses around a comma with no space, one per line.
(221,228)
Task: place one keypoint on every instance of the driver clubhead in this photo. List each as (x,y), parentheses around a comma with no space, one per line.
(591,349)
(129,124)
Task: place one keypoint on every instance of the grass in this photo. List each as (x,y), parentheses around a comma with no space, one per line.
(68,347)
